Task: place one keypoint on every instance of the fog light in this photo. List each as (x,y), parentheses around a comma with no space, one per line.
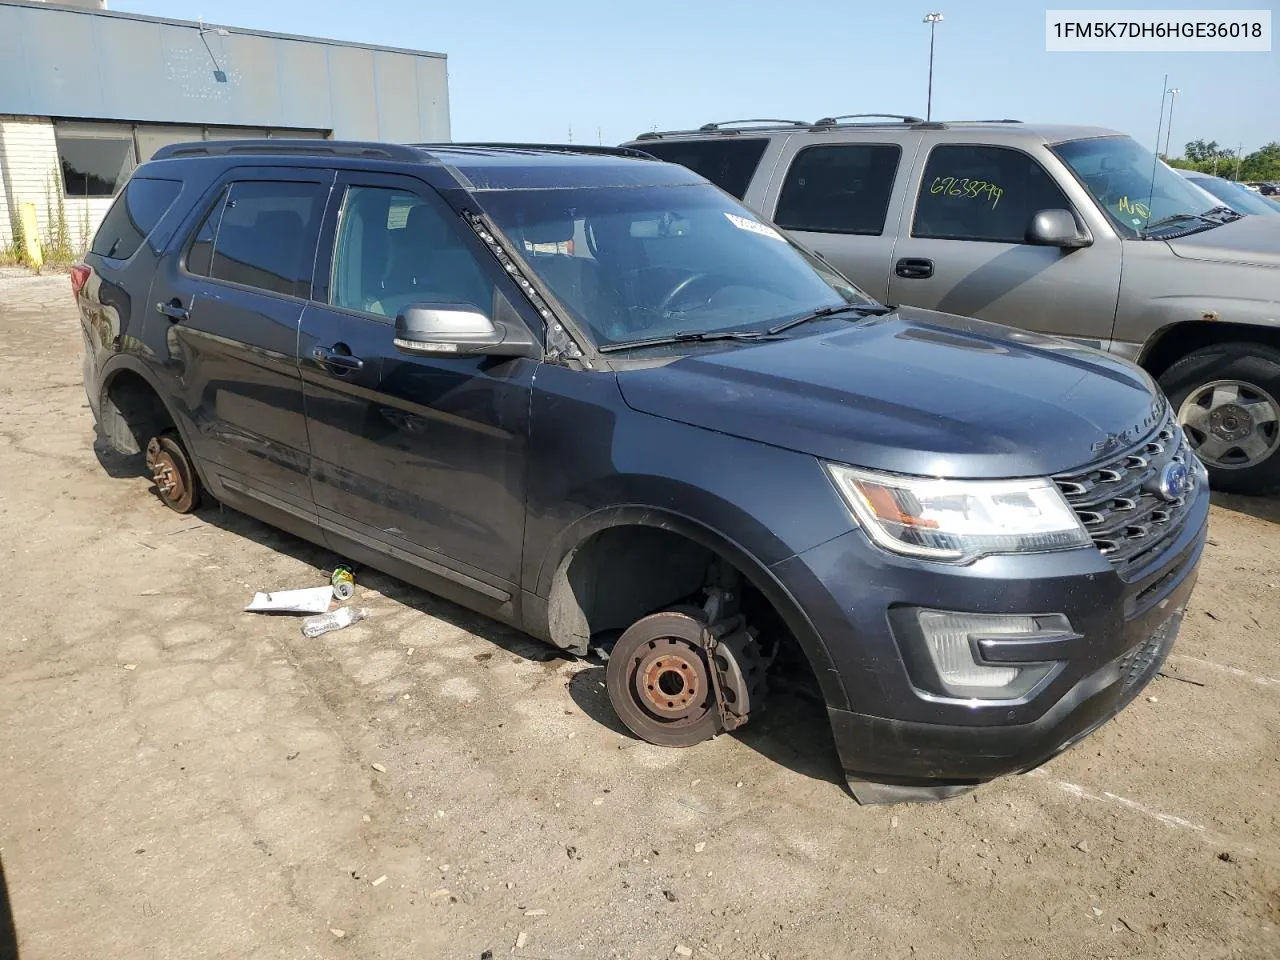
(950,639)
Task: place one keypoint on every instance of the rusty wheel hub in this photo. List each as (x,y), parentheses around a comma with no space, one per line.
(670,680)
(165,472)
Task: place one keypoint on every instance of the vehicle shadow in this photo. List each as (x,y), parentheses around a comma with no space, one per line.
(118,466)
(8,933)
(322,559)
(793,731)
(1262,508)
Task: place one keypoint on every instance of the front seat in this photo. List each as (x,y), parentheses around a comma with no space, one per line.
(430,264)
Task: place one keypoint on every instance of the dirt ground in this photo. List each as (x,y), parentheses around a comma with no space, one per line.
(179,779)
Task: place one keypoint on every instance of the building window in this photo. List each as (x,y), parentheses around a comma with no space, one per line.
(94,166)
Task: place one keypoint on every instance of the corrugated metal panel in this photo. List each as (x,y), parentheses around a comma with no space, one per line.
(396,80)
(300,101)
(433,101)
(353,93)
(67,63)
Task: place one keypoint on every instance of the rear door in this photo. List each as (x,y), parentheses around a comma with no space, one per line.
(844,200)
(963,250)
(421,458)
(232,296)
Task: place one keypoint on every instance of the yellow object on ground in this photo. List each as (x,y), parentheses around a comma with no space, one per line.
(30,235)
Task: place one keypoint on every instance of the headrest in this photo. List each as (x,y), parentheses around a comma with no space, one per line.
(423,223)
(282,223)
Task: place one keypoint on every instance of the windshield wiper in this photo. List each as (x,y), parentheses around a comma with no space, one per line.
(1226,213)
(863,309)
(1175,217)
(691,336)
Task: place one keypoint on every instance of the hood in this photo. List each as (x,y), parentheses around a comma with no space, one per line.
(1251,239)
(912,392)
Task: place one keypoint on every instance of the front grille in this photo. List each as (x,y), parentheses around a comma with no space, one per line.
(1118,501)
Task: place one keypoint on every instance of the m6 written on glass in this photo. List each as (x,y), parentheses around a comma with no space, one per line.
(1125,205)
(967,187)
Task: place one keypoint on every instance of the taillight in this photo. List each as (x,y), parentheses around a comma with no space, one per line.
(79,277)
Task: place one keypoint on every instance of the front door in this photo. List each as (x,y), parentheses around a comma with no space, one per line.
(962,249)
(419,457)
(230,297)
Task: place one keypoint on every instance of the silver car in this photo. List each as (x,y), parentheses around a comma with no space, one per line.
(1235,195)
(1074,231)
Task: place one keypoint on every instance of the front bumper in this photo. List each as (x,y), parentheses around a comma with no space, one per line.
(898,742)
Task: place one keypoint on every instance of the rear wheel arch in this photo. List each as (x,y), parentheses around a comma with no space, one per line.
(133,410)
(626,537)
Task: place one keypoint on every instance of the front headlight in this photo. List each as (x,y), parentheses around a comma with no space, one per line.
(959,520)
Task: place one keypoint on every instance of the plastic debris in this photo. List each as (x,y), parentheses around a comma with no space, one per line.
(521,939)
(381,880)
(306,600)
(379,767)
(324,623)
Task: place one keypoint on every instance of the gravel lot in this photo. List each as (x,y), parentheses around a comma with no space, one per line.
(182,779)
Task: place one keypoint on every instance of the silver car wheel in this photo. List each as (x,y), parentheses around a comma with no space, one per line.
(1231,424)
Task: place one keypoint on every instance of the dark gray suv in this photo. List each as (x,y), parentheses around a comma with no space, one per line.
(590,395)
(1073,231)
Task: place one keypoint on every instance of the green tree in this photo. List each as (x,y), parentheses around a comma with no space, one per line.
(1262,164)
(1198,151)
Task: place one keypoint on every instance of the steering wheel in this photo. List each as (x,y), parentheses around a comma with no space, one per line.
(684,285)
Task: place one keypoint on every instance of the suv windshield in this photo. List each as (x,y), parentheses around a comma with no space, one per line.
(1118,172)
(1238,198)
(635,263)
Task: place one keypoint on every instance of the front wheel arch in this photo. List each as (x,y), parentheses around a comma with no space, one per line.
(555,581)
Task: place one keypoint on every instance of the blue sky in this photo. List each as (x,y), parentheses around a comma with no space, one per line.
(523,71)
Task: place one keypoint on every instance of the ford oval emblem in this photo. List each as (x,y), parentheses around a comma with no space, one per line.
(1176,481)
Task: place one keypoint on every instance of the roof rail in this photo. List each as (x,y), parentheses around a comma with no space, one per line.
(279,145)
(832,121)
(728,128)
(708,127)
(551,147)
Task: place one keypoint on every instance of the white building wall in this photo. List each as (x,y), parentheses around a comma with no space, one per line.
(30,172)
(29,161)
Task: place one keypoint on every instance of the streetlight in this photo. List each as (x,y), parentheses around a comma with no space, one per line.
(932,19)
(1173,94)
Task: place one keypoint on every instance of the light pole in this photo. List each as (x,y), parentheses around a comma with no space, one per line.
(932,19)
(1173,95)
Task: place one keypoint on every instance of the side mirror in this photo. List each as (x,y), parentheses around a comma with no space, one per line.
(456,329)
(1056,228)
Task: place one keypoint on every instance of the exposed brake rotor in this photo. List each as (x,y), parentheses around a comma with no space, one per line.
(165,473)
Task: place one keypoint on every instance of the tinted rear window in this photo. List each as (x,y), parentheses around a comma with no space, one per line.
(266,236)
(729,164)
(133,216)
(839,188)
